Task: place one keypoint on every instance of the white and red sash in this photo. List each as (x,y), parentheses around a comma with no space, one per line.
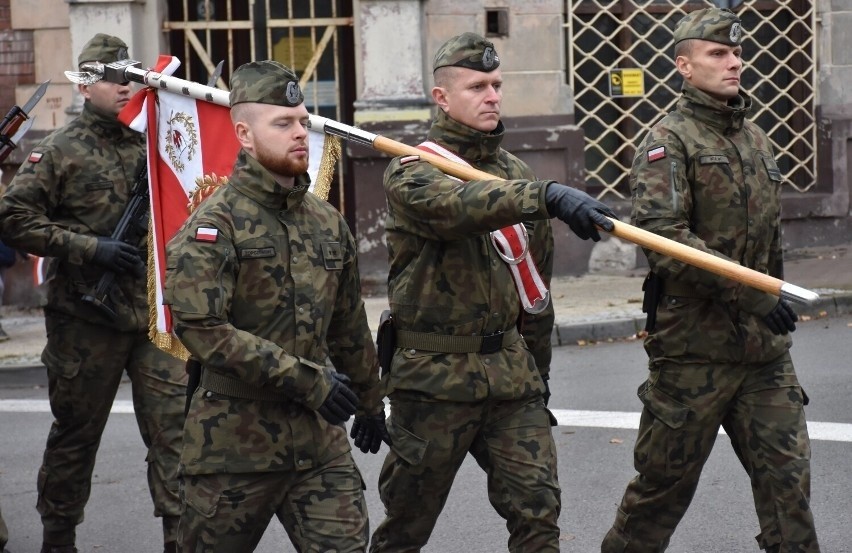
(512,245)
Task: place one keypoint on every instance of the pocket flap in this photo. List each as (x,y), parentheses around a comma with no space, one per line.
(203,499)
(409,447)
(667,409)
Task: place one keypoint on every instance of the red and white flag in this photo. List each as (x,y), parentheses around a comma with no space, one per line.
(39,269)
(187,140)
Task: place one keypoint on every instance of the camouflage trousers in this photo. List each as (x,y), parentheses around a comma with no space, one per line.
(85,364)
(322,509)
(510,440)
(761,409)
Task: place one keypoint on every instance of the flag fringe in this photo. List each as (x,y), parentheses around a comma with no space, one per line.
(166,342)
(331,152)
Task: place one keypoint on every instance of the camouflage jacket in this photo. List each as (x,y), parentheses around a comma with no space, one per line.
(705,176)
(446,277)
(72,189)
(266,301)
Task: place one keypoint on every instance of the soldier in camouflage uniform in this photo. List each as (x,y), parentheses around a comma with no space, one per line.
(263,284)
(64,204)
(705,176)
(462,379)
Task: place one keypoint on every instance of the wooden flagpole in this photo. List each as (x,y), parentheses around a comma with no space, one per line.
(128,70)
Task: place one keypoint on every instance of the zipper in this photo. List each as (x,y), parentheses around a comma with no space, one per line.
(673,185)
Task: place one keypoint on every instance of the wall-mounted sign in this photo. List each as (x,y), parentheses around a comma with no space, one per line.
(626,82)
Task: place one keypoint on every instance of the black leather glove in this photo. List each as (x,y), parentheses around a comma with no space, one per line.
(782,319)
(341,402)
(118,257)
(578,209)
(546,395)
(369,431)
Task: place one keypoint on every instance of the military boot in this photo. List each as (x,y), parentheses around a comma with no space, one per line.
(170,547)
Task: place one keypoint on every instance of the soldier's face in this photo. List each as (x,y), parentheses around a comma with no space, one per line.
(106,96)
(277,137)
(472,97)
(712,67)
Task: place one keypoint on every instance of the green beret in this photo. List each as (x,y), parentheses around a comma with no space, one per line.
(467,50)
(713,24)
(265,82)
(103,48)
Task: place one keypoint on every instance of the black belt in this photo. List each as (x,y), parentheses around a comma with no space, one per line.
(444,343)
(227,386)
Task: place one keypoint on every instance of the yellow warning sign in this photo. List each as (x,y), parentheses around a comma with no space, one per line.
(626,82)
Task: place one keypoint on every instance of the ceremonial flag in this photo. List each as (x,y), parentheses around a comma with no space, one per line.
(191,151)
(190,142)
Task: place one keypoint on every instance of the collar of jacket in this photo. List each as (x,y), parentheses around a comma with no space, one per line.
(471,144)
(725,116)
(105,124)
(253,180)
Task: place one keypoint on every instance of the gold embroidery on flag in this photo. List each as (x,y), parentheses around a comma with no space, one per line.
(331,151)
(204,186)
(181,139)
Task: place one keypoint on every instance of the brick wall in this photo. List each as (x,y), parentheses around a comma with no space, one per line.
(17,58)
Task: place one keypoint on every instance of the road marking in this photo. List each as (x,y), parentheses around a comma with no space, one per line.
(829,431)
(43,406)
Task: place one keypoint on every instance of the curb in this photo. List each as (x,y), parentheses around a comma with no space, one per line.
(13,368)
(572,334)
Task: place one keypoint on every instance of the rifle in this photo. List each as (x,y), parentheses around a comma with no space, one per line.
(10,131)
(131,227)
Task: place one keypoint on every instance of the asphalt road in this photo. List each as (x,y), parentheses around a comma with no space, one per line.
(594,399)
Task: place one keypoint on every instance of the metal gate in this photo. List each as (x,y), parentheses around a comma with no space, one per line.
(313,37)
(779,73)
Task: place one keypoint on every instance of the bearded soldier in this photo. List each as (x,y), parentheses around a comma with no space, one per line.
(263,284)
(705,176)
(64,204)
(462,378)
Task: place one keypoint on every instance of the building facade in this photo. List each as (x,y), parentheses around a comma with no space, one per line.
(583,79)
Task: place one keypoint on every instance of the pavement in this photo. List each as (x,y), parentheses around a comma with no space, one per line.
(595,307)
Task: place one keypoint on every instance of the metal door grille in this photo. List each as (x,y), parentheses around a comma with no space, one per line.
(779,73)
(309,36)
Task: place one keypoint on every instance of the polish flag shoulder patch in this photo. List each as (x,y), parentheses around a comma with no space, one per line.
(656,153)
(408,159)
(206,234)
(35,157)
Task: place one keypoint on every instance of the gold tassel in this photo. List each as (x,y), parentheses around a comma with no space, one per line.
(166,342)
(331,151)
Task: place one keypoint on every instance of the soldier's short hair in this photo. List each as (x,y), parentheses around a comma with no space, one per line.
(468,50)
(265,82)
(103,48)
(713,24)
